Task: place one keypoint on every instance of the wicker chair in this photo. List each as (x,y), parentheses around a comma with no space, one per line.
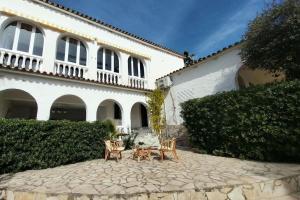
(113,147)
(168,146)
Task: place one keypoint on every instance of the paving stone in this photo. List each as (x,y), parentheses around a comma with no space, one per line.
(84,189)
(10,195)
(198,195)
(23,196)
(216,195)
(83,197)
(184,195)
(226,190)
(236,194)
(151,188)
(168,179)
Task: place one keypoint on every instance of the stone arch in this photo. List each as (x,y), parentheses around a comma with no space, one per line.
(112,110)
(17,103)
(68,107)
(139,115)
(246,77)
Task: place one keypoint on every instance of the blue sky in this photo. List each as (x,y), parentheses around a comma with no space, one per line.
(198,26)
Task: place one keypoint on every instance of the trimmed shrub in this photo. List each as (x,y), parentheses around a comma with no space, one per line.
(261,122)
(31,144)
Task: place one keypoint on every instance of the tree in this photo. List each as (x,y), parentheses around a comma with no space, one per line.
(272,41)
(155,102)
(188,59)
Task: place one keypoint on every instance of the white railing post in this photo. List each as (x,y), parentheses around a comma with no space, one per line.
(10,55)
(137,82)
(72,68)
(16,62)
(1,57)
(108,77)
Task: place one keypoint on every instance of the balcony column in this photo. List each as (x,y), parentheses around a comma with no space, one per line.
(126,118)
(91,109)
(44,108)
(49,50)
(92,60)
(124,67)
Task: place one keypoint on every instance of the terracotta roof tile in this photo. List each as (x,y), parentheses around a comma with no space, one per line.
(109,26)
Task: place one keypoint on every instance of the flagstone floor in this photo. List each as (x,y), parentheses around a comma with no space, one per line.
(193,172)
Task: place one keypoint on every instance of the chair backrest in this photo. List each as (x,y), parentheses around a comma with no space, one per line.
(173,143)
(112,145)
(108,145)
(169,144)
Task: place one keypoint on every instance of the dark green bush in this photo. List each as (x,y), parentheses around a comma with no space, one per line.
(261,122)
(31,144)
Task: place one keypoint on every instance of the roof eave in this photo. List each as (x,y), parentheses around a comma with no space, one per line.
(205,59)
(108,27)
(77,80)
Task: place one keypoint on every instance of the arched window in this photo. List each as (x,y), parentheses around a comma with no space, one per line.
(71,50)
(136,67)
(18,36)
(108,60)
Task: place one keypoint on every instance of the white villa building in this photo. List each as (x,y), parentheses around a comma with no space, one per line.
(56,63)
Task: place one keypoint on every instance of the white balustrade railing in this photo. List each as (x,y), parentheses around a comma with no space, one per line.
(20,60)
(108,77)
(69,69)
(136,82)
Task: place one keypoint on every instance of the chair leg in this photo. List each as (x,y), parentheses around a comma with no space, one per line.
(175,155)
(105,155)
(161,155)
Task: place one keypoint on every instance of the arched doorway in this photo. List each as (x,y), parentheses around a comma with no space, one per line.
(68,107)
(139,116)
(110,110)
(16,103)
(246,77)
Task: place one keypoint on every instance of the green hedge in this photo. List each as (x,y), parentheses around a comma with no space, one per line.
(261,122)
(31,144)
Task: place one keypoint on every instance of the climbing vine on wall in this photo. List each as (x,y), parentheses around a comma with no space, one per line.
(155,102)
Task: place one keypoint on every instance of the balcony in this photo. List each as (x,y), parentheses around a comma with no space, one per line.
(25,47)
(20,60)
(70,69)
(137,82)
(108,77)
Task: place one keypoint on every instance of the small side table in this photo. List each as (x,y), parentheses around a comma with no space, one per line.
(142,153)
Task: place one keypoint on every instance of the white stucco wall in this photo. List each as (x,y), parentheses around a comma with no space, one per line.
(216,74)
(136,116)
(160,63)
(46,90)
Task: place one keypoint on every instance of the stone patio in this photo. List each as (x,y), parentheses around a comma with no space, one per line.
(194,176)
